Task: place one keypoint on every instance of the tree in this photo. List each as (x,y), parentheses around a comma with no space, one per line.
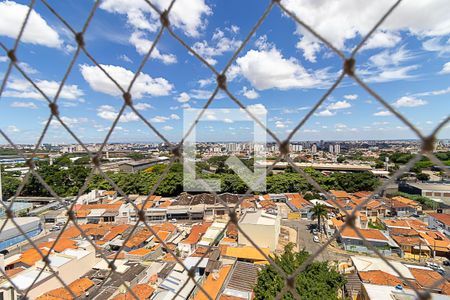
(423,177)
(318,281)
(319,212)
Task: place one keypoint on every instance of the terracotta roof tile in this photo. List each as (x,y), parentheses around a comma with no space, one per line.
(213,284)
(78,287)
(379,277)
(444,218)
(370,234)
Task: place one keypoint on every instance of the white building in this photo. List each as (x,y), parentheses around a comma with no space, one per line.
(263,228)
(70,265)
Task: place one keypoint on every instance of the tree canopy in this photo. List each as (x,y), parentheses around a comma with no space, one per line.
(318,281)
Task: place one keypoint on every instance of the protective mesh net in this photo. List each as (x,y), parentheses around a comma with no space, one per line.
(348,70)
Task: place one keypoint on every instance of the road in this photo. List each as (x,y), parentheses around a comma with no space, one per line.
(305,241)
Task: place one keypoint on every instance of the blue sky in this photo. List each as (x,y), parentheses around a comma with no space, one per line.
(283,70)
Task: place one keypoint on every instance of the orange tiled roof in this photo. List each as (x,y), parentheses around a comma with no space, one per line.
(232,231)
(300,202)
(213,284)
(340,194)
(31,256)
(403,232)
(407,240)
(138,238)
(61,245)
(140,252)
(427,278)
(247,204)
(436,240)
(267,203)
(115,231)
(379,277)
(406,201)
(196,233)
(163,235)
(169,257)
(165,204)
(78,287)
(362,194)
(444,218)
(372,234)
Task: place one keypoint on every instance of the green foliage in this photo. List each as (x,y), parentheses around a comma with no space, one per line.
(375,226)
(319,212)
(64,181)
(9,185)
(423,177)
(318,281)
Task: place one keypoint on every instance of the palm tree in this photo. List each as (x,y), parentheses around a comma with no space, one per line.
(320,212)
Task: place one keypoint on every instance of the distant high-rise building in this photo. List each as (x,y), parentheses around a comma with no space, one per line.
(314,149)
(331,148)
(337,149)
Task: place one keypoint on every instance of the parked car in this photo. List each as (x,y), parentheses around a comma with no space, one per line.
(55,228)
(316,239)
(173,221)
(446,262)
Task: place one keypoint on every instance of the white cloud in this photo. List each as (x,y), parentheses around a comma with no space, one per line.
(220,45)
(143,86)
(142,45)
(174,117)
(408,101)
(435,44)
(205,82)
(434,93)
(36,32)
(12,129)
(18,88)
(167,128)
(342,21)
(30,105)
(383,39)
(183,97)
(351,97)
(142,106)
(108,112)
(201,94)
(445,68)
(267,68)
(188,15)
(159,119)
(325,113)
(69,121)
(391,74)
(339,105)
(383,113)
(250,93)
(280,124)
(4,58)
(389,58)
(310,130)
(27,68)
(125,58)
(257,109)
